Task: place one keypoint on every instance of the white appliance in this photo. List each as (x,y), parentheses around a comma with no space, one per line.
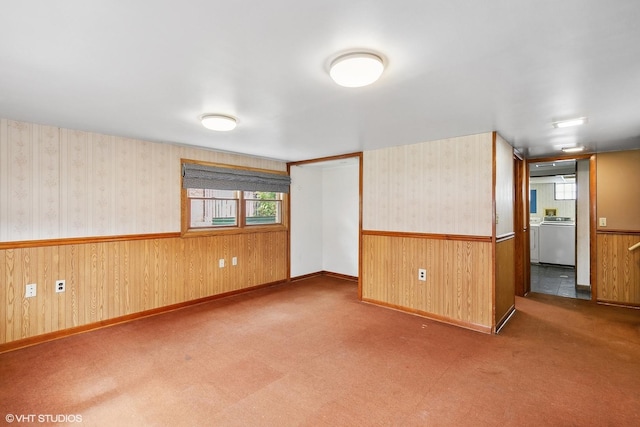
(557,241)
(534,246)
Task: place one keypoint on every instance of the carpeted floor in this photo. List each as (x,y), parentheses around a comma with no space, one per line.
(308,353)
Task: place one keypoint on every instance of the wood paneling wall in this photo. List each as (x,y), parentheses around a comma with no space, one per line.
(459,284)
(505,280)
(111,279)
(504,233)
(618,269)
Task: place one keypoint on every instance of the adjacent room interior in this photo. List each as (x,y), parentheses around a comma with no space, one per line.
(559,222)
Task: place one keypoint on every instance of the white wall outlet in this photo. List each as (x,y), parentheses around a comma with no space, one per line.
(422,274)
(234,260)
(60,285)
(602,222)
(221,262)
(30,290)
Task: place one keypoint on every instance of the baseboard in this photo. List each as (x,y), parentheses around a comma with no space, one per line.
(503,321)
(306,276)
(467,325)
(325,273)
(632,305)
(340,276)
(39,339)
(586,288)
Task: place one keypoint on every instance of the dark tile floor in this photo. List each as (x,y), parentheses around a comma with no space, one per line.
(556,280)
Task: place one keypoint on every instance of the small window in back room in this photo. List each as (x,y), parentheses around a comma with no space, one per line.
(565,191)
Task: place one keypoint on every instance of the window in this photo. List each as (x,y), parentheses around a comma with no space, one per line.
(212,208)
(262,207)
(216,198)
(565,191)
(533,201)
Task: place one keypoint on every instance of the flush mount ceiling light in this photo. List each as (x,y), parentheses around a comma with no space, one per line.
(573,149)
(571,122)
(356,69)
(218,122)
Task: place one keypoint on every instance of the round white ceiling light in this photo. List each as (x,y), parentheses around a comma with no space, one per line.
(356,69)
(218,122)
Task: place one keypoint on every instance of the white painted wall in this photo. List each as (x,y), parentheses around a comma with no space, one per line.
(340,220)
(325,218)
(306,220)
(583,267)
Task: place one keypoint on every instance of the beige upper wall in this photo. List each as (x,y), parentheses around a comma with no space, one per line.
(504,187)
(440,187)
(617,189)
(60,183)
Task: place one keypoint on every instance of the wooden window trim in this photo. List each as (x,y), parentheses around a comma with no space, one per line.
(242,227)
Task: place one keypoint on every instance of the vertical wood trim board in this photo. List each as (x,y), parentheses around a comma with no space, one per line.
(521,227)
(458,286)
(107,280)
(593,252)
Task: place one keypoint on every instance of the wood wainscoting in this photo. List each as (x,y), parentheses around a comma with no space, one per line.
(618,269)
(458,288)
(115,278)
(505,279)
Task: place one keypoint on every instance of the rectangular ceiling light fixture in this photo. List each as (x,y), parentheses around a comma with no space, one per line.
(572,149)
(571,122)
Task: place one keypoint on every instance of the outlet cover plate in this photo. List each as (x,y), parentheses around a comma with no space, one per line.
(30,290)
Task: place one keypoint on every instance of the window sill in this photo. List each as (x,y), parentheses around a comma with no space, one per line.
(219,231)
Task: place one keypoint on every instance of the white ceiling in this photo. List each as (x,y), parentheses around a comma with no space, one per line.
(147,69)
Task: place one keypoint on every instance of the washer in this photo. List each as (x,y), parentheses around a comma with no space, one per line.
(557,241)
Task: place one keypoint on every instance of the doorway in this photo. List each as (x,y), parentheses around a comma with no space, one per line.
(325,216)
(559,227)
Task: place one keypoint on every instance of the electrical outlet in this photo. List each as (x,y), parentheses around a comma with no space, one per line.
(30,290)
(234,260)
(60,286)
(221,262)
(422,274)
(603,222)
